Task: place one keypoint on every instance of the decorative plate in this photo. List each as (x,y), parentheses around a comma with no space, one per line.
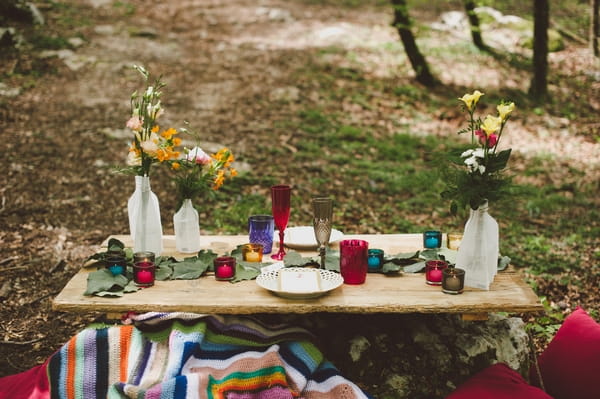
(330,280)
(303,237)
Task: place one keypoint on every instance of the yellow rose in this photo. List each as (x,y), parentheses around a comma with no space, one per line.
(504,110)
(471,100)
(491,124)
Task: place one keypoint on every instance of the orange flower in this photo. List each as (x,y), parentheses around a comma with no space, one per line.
(233,172)
(176,141)
(167,134)
(219,180)
(175,165)
(155,129)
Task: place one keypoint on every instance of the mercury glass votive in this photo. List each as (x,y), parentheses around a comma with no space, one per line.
(453,240)
(375,259)
(252,252)
(432,239)
(453,280)
(224,268)
(144,273)
(433,271)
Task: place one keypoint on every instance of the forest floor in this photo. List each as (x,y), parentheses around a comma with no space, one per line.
(232,68)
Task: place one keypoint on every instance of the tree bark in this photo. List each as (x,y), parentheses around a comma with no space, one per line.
(539,85)
(595,27)
(474,24)
(403,25)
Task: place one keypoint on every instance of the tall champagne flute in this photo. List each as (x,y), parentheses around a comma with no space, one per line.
(280,203)
(322,219)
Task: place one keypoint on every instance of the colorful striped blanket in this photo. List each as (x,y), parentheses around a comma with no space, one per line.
(183,355)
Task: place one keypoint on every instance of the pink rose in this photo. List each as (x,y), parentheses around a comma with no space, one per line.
(134,123)
(492,140)
(197,155)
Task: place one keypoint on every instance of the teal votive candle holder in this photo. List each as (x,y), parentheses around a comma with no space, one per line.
(375,259)
(116,264)
(432,239)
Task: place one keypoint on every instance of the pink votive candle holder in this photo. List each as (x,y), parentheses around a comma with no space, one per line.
(224,268)
(354,261)
(434,270)
(144,273)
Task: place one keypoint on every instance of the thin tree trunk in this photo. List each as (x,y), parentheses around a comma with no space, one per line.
(418,62)
(474,23)
(595,27)
(539,85)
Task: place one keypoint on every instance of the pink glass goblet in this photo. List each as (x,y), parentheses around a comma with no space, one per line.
(280,204)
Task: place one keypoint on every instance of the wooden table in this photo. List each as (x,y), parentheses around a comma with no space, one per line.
(404,293)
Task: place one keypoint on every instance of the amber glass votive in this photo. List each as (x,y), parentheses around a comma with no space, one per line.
(375,259)
(224,268)
(144,273)
(453,240)
(432,239)
(252,252)
(433,271)
(453,280)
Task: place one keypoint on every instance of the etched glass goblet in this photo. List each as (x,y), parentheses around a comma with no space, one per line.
(322,220)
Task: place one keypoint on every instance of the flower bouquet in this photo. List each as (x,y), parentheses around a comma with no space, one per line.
(196,173)
(477,176)
(149,146)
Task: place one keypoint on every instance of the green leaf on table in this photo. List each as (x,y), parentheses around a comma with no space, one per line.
(163,273)
(246,272)
(189,268)
(103,280)
(131,287)
(116,294)
(293,258)
(503,262)
(390,267)
(115,245)
(415,267)
(429,254)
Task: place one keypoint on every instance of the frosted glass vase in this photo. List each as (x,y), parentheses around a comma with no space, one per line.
(187,228)
(479,249)
(144,218)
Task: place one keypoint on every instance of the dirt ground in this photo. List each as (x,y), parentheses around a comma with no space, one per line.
(223,62)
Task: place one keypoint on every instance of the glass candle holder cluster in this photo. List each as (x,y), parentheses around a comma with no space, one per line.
(252,252)
(144,269)
(224,268)
(432,239)
(375,259)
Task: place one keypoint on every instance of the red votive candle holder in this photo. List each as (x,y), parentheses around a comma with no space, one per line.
(224,268)
(434,270)
(144,273)
(354,261)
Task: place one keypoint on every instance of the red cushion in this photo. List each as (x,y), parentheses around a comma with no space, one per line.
(497,382)
(30,384)
(570,365)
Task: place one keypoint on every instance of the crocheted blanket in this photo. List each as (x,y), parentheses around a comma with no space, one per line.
(182,355)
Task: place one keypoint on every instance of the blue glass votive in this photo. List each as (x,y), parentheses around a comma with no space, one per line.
(375,259)
(260,231)
(432,239)
(116,264)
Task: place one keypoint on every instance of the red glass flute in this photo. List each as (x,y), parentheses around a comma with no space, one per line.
(280,204)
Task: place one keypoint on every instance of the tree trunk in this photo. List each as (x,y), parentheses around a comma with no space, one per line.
(539,85)
(474,23)
(418,62)
(595,27)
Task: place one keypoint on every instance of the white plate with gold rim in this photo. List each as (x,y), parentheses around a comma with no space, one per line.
(303,237)
(329,280)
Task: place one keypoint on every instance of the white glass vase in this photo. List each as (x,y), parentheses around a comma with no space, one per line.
(187,228)
(479,249)
(144,218)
